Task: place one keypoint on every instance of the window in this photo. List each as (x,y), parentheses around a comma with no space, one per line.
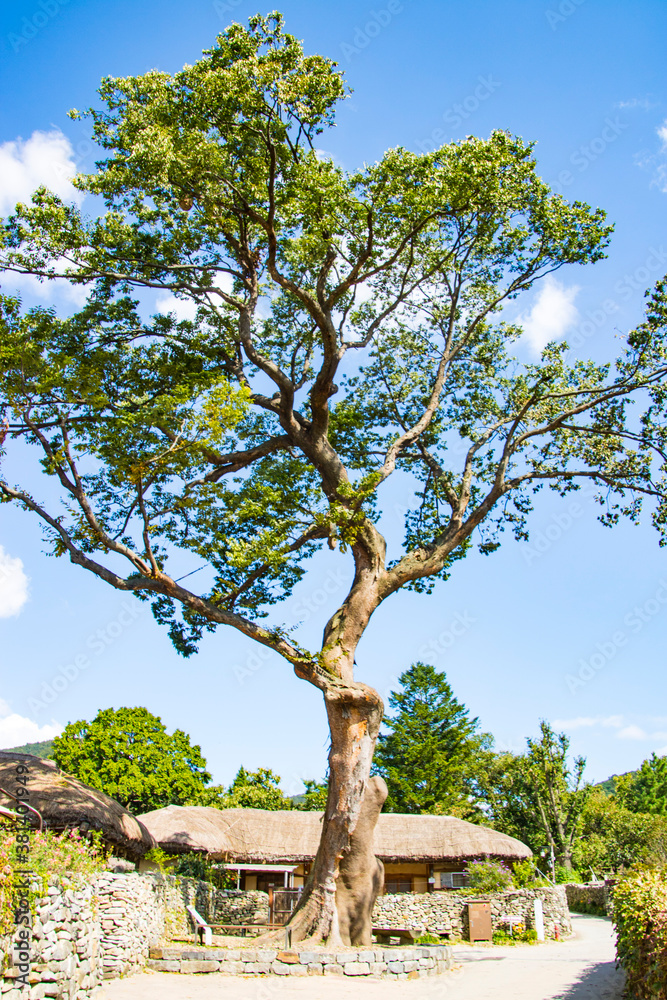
(398,883)
(452,880)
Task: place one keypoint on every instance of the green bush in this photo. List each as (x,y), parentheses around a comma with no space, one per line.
(489,876)
(640,916)
(200,866)
(526,876)
(502,937)
(520,935)
(428,939)
(592,909)
(564,875)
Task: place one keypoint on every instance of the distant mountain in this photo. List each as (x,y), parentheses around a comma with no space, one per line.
(609,786)
(43,749)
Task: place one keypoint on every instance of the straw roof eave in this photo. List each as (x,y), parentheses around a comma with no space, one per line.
(65,802)
(263,837)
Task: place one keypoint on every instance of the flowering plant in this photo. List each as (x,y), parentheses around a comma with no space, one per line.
(489,876)
(66,854)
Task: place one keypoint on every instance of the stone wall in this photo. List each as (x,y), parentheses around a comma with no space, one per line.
(217,906)
(235,906)
(109,926)
(132,919)
(446,912)
(105,928)
(64,951)
(594,897)
(387,963)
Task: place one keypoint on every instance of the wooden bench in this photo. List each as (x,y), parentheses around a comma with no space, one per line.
(406,935)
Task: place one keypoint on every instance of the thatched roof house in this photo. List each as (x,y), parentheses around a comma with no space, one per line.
(66,803)
(412,847)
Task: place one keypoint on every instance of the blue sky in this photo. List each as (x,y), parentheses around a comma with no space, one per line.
(568,627)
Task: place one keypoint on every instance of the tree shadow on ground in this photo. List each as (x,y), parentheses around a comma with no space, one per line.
(602,981)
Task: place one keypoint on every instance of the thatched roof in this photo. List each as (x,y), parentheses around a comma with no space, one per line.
(66,803)
(292,836)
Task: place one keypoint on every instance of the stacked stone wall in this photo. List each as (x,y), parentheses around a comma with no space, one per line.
(595,897)
(445,912)
(388,963)
(234,906)
(109,926)
(64,952)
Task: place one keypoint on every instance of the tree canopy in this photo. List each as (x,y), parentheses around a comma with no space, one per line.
(431,750)
(645,790)
(239,436)
(612,837)
(129,754)
(314,798)
(538,796)
(348,326)
(249,790)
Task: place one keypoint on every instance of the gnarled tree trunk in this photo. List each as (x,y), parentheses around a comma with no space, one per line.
(337,885)
(361,874)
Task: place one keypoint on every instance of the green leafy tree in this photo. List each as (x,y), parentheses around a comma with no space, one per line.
(612,837)
(645,790)
(508,800)
(557,790)
(314,798)
(249,790)
(202,867)
(431,750)
(537,796)
(129,754)
(348,327)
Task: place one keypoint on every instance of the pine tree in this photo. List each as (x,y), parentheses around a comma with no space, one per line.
(431,748)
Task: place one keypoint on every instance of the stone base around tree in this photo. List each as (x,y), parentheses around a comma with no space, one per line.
(413,962)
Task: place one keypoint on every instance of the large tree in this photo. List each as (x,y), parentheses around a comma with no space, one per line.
(431,750)
(538,796)
(612,837)
(348,328)
(128,753)
(645,790)
(249,790)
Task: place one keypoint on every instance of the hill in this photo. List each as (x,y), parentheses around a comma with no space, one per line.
(609,785)
(43,749)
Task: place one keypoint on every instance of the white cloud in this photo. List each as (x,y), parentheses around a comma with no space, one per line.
(45,291)
(15,730)
(631,733)
(624,729)
(185,308)
(579,723)
(13,585)
(45,158)
(614,721)
(661,171)
(583,721)
(552,314)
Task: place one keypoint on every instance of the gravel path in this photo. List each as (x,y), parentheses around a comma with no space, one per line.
(581,968)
